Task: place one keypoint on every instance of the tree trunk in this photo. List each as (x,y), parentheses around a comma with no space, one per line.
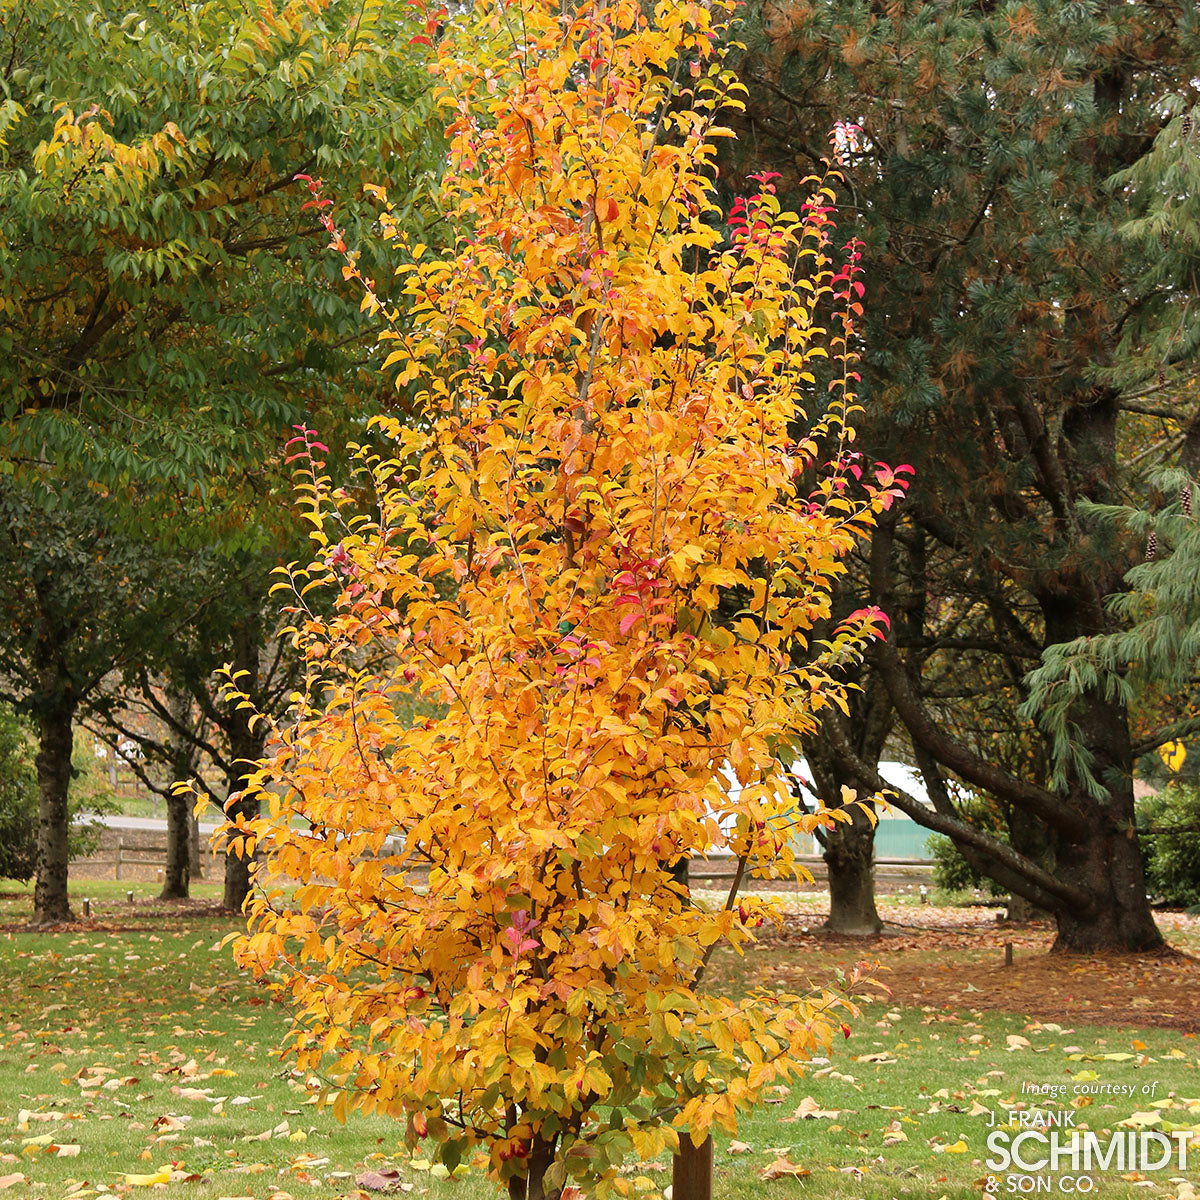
(195,857)
(55,742)
(245,749)
(178,873)
(541,1156)
(177,876)
(692,1170)
(1107,864)
(850,858)
(1029,837)
(849,848)
(1106,860)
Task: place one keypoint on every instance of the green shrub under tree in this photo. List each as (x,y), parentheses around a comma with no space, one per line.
(1172,858)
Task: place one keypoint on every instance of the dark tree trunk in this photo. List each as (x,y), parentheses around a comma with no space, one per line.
(1105,860)
(850,857)
(849,847)
(692,1170)
(178,873)
(55,742)
(541,1156)
(195,856)
(245,749)
(1108,864)
(1029,837)
(177,876)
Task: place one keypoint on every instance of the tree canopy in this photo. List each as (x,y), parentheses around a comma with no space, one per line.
(1001,287)
(166,313)
(615,442)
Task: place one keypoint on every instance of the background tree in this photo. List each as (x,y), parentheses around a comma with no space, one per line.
(176,715)
(18,798)
(77,601)
(1001,288)
(848,847)
(612,396)
(165,313)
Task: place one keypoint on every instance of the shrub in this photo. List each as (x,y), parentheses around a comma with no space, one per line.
(1172,859)
(951,871)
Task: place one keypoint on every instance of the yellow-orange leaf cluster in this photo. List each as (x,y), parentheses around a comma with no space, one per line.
(597,563)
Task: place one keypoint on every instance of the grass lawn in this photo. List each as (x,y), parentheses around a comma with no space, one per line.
(136,1048)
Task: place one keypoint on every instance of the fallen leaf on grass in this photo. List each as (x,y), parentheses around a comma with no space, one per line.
(25,1116)
(379,1181)
(70,1151)
(810,1110)
(1142,1120)
(959,1147)
(7,1181)
(162,1175)
(783,1168)
(740,1147)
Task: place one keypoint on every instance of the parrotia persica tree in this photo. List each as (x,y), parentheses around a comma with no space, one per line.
(622,430)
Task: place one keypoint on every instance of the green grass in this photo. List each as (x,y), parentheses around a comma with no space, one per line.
(127,1039)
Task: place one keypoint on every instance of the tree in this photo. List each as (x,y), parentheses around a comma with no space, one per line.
(1154,647)
(613,442)
(78,600)
(1001,288)
(848,847)
(18,799)
(166,315)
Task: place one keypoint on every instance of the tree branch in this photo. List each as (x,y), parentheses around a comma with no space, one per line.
(944,749)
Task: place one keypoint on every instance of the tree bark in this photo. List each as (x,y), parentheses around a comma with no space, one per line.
(1105,860)
(849,848)
(55,742)
(850,857)
(1109,865)
(195,857)
(245,749)
(1029,837)
(692,1170)
(177,876)
(541,1156)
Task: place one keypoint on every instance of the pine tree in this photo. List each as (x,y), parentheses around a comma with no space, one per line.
(1001,290)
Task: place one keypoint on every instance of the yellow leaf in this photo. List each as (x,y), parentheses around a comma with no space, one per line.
(162,1175)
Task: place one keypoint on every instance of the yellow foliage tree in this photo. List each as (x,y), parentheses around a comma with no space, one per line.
(601,560)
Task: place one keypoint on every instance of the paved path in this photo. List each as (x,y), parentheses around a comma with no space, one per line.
(150,824)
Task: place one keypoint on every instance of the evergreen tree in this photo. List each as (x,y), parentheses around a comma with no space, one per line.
(1000,288)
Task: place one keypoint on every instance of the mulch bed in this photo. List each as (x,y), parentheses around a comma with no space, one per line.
(955,959)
